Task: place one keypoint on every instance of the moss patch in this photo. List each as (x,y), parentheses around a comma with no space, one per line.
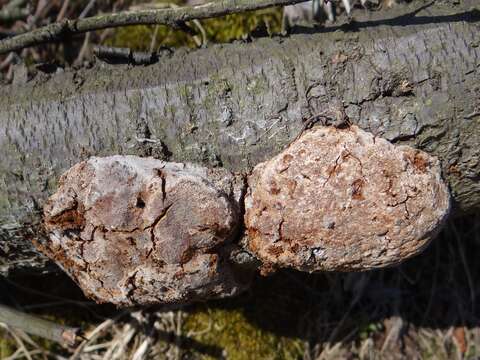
(218,30)
(238,338)
(7,345)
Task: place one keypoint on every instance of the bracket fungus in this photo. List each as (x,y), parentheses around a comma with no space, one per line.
(133,230)
(136,231)
(343,200)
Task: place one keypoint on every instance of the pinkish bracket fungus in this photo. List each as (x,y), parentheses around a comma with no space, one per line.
(133,230)
(341,199)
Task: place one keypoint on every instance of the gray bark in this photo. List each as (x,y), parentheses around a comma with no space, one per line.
(412,78)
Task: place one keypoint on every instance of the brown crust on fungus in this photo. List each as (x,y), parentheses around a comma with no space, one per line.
(343,200)
(133,230)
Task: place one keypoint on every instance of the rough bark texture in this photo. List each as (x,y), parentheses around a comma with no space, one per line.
(342,199)
(409,77)
(132,230)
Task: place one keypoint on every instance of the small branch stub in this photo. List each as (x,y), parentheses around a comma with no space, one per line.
(133,230)
(343,200)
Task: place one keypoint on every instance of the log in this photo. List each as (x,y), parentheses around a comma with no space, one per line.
(410,75)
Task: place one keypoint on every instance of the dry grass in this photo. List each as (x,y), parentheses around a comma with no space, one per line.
(426,308)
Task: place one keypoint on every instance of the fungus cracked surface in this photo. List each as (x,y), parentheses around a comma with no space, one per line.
(343,200)
(133,230)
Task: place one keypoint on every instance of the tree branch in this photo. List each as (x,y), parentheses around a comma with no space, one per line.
(171,17)
(36,326)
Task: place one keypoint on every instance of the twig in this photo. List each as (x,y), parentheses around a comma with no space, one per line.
(20,344)
(87,9)
(143,349)
(95,334)
(182,26)
(13,14)
(472,115)
(120,342)
(8,60)
(15,4)
(153,41)
(84,304)
(199,42)
(36,326)
(42,7)
(83,50)
(86,41)
(38,349)
(170,16)
(63,10)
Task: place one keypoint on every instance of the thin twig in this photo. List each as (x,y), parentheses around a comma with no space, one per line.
(120,342)
(95,334)
(15,4)
(36,326)
(20,343)
(13,14)
(153,41)
(170,16)
(63,10)
(472,115)
(38,349)
(87,9)
(84,304)
(8,60)
(198,42)
(83,49)
(86,41)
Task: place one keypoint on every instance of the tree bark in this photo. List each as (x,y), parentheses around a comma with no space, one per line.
(412,77)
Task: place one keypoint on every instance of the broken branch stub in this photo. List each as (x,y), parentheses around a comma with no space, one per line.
(343,200)
(133,230)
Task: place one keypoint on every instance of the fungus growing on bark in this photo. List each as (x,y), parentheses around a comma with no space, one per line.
(343,200)
(133,230)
